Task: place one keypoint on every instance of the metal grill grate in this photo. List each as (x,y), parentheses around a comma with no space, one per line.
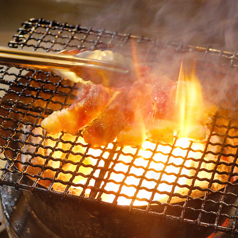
(63,164)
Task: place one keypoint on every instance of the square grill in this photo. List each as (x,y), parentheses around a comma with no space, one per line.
(66,166)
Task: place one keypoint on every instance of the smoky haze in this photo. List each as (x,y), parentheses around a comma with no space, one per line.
(205,23)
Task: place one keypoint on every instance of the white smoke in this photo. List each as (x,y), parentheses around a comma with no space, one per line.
(199,22)
(206,23)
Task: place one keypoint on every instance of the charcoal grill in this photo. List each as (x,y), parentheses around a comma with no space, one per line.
(39,205)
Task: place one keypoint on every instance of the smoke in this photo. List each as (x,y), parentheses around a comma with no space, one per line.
(206,22)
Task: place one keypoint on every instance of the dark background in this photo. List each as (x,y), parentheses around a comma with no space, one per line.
(201,22)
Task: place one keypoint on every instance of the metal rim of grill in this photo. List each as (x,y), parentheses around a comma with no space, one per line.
(30,95)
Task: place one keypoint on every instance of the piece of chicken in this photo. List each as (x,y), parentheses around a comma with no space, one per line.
(92,100)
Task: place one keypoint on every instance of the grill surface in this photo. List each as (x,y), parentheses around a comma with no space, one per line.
(30,95)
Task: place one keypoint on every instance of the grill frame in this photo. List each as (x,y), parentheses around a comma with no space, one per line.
(27,33)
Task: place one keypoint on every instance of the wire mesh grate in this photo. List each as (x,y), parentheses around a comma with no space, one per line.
(190,181)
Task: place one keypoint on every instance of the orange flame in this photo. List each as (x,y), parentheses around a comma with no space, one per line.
(169,165)
(189,106)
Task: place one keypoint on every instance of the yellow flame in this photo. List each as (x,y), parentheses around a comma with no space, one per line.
(189,103)
(135,178)
(165,165)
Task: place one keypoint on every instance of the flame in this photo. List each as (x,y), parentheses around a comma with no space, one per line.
(132,177)
(189,106)
(152,172)
(141,182)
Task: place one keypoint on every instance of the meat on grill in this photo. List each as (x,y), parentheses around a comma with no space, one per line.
(106,114)
(129,114)
(124,118)
(91,101)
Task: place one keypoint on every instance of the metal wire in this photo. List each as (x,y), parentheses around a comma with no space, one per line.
(64,164)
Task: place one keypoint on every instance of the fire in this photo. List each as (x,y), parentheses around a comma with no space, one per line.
(167,172)
(189,105)
(139,175)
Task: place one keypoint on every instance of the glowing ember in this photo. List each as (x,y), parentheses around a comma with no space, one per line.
(158,172)
(143,174)
(139,175)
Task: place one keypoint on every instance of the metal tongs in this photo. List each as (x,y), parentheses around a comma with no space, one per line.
(39,60)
